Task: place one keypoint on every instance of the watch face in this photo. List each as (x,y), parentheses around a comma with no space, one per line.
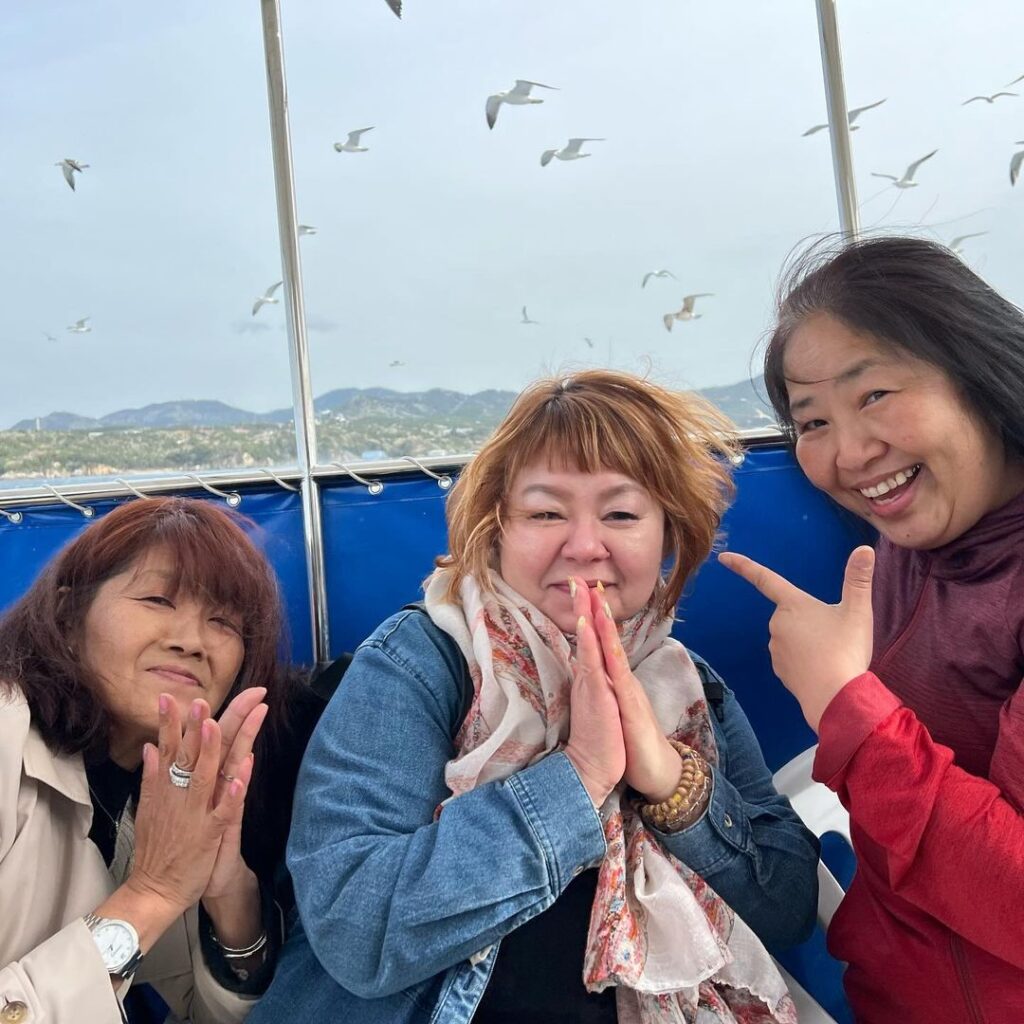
(116,942)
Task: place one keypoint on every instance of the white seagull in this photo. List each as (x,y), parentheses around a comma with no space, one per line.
(657,273)
(69,166)
(306,229)
(1019,78)
(50,337)
(1018,159)
(988,99)
(517,96)
(908,175)
(570,152)
(266,297)
(590,344)
(851,116)
(526,318)
(686,313)
(79,326)
(956,242)
(396,362)
(351,144)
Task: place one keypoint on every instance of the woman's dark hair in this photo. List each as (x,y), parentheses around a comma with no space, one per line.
(918,297)
(40,635)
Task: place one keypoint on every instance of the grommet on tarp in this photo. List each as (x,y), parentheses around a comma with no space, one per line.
(443,481)
(86,510)
(12,517)
(373,486)
(233,498)
(277,480)
(738,459)
(134,490)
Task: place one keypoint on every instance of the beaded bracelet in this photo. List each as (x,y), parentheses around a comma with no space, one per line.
(691,793)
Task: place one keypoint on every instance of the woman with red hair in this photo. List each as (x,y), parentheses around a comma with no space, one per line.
(135,678)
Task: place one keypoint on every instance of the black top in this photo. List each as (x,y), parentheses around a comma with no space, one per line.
(538,975)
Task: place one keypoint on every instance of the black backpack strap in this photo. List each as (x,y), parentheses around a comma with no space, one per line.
(326,681)
(466,690)
(714,686)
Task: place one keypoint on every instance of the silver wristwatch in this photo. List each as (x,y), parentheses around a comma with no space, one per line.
(118,943)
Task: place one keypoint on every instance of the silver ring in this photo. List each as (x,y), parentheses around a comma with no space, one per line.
(180,777)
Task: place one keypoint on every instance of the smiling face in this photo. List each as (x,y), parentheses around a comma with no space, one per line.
(140,640)
(888,437)
(561,522)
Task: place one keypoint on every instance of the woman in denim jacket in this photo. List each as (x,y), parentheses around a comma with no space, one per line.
(518,807)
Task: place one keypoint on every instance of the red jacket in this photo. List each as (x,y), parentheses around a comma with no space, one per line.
(933,925)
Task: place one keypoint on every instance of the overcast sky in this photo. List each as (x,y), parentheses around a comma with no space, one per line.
(429,244)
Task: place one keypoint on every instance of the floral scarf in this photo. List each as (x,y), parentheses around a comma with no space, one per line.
(675,950)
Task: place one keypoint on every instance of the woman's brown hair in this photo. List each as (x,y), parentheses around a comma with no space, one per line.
(676,444)
(214,560)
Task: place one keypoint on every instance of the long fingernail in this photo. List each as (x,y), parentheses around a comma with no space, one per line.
(608,611)
(581,624)
(572,587)
(208,729)
(600,587)
(165,703)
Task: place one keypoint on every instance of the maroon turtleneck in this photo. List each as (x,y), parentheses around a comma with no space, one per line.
(926,751)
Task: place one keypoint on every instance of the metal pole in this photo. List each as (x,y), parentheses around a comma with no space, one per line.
(839,128)
(295,313)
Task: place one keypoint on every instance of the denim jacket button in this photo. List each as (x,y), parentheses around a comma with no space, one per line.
(727,821)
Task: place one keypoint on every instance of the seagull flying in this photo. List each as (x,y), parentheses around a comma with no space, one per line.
(686,313)
(570,152)
(1019,78)
(956,242)
(590,344)
(351,144)
(266,297)
(306,229)
(50,337)
(988,99)
(517,96)
(657,273)
(396,362)
(79,326)
(1018,159)
(908,175)
(69,167)
(396,6)
(526,318)
(851,116)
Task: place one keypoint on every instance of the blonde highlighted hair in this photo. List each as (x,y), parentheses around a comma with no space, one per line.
(675,444)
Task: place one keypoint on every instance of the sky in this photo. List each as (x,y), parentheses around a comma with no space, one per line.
(430,243)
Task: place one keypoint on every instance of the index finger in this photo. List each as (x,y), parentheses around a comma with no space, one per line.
(775,587)
(238,710)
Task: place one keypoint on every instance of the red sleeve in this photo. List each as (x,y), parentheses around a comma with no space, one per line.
(953,844)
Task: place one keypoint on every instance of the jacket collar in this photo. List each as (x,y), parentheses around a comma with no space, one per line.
(64,773)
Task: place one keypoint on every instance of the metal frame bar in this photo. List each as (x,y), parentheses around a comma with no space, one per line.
(839,127)
(122,488)
(295,313)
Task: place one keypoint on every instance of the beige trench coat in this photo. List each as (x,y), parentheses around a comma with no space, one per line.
(50,875)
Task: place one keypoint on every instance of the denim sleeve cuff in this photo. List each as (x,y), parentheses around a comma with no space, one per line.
(718,836)
(561,814)
(850,718)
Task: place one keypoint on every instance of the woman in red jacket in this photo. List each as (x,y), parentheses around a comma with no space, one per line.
(899,375)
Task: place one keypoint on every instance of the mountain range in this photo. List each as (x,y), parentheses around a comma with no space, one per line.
(742,401)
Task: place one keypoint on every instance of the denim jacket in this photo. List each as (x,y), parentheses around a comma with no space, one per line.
(402,914)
